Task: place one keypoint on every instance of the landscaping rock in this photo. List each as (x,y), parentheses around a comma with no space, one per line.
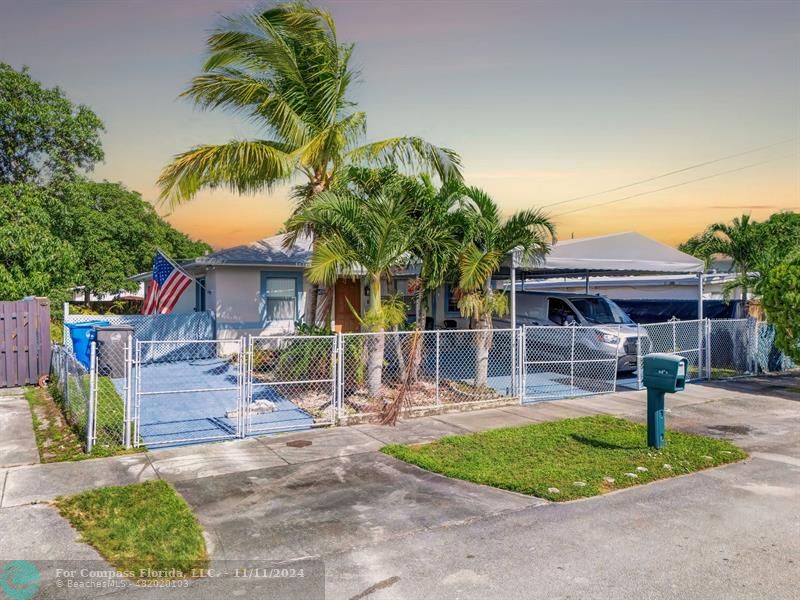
(553,490)
(609,480)
(707,457)
(631,475)
(668,467)
(579,484)
(641,469)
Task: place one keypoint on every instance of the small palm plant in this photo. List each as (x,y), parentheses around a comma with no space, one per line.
(286,71)
(360,234)
(741,240)
(490,239)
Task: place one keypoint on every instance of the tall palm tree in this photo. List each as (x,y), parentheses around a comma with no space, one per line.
(285,70)
(740,240)
(360,234)
(491,238)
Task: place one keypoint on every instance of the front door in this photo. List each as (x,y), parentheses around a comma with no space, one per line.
(347,291)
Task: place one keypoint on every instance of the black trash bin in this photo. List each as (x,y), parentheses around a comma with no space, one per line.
(111,340)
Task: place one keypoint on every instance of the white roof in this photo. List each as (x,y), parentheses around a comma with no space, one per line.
(628,252)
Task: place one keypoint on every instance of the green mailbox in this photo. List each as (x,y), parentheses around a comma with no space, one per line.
(661,374)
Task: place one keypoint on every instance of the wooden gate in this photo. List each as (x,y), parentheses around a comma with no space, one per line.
(24,341)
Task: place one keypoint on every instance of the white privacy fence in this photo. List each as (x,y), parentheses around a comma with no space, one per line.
(157,393)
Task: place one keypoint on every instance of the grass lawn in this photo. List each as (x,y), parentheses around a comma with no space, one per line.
(138,527)
(568,459)
(58,441)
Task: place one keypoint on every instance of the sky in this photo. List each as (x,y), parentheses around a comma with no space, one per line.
(544,101)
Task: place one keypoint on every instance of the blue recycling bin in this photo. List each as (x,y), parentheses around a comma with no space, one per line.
(82,335)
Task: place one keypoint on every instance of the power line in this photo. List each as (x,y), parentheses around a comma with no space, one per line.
(675,185)
(675,172)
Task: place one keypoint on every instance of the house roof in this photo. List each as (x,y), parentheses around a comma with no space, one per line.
(267,251)
(628,252)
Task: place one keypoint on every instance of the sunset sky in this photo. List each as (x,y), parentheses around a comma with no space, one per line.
(545,101)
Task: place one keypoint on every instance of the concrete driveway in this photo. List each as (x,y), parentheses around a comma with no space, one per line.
(384,529)
(364,525)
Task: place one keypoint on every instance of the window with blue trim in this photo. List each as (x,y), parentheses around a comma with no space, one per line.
(280,292)
(451,302)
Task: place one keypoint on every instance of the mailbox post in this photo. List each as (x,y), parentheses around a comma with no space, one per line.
(663,374)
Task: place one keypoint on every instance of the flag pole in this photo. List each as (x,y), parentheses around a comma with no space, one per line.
(177,266)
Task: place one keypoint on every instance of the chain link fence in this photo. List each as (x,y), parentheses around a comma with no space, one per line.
(155,393)
(569,361)
(291,383)
(187,391)
(684,338)
(419,371)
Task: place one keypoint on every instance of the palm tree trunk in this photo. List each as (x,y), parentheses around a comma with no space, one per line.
(310,309)
(416,359)
(483,343)
(377,343)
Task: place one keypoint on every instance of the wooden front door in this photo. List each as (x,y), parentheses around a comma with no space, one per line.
(347,291)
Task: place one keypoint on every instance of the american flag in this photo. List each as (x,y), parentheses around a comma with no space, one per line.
(167,285)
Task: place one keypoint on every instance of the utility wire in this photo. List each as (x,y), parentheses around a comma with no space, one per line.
(675,172)
(669,187)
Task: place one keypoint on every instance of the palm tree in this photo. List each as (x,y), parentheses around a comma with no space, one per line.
(740,240)
(285,70)
(357,234)
(491,238)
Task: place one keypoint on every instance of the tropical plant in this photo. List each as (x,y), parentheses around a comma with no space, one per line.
(490,239)
(780,290)
(360,233)
(285,69)
(740,240)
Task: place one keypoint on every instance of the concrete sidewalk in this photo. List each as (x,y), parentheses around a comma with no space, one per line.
(17,442)
(41,483)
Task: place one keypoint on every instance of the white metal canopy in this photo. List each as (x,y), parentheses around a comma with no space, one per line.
(628,252)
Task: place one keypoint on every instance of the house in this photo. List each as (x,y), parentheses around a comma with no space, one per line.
(261,289)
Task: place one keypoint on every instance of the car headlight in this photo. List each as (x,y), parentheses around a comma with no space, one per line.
(608,338)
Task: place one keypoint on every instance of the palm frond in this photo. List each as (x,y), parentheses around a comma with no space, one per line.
(244,166)
(411,152)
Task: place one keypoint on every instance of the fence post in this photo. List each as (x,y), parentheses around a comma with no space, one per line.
(246,377)
(756,342)
(521,364)
(65,380)
(64,328)
(438,400)
(616,356)
(340,380)
(572,364)
(708,348)
(90,419)
(137,394)
(335,378)
(126,420)
(639,362)
(514,361)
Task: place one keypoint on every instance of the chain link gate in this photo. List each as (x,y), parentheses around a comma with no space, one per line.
(290,383)
(568,361)
(187,391)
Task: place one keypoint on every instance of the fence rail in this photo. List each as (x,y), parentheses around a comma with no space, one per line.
(170,392)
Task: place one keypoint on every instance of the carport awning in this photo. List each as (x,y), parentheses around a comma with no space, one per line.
(629,252)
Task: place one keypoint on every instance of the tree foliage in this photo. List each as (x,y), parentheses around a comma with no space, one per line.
(754,247)
(34,259)
(80,234)
(780,292)
(43,135)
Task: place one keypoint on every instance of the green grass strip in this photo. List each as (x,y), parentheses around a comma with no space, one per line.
(567,459)
(139,528)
